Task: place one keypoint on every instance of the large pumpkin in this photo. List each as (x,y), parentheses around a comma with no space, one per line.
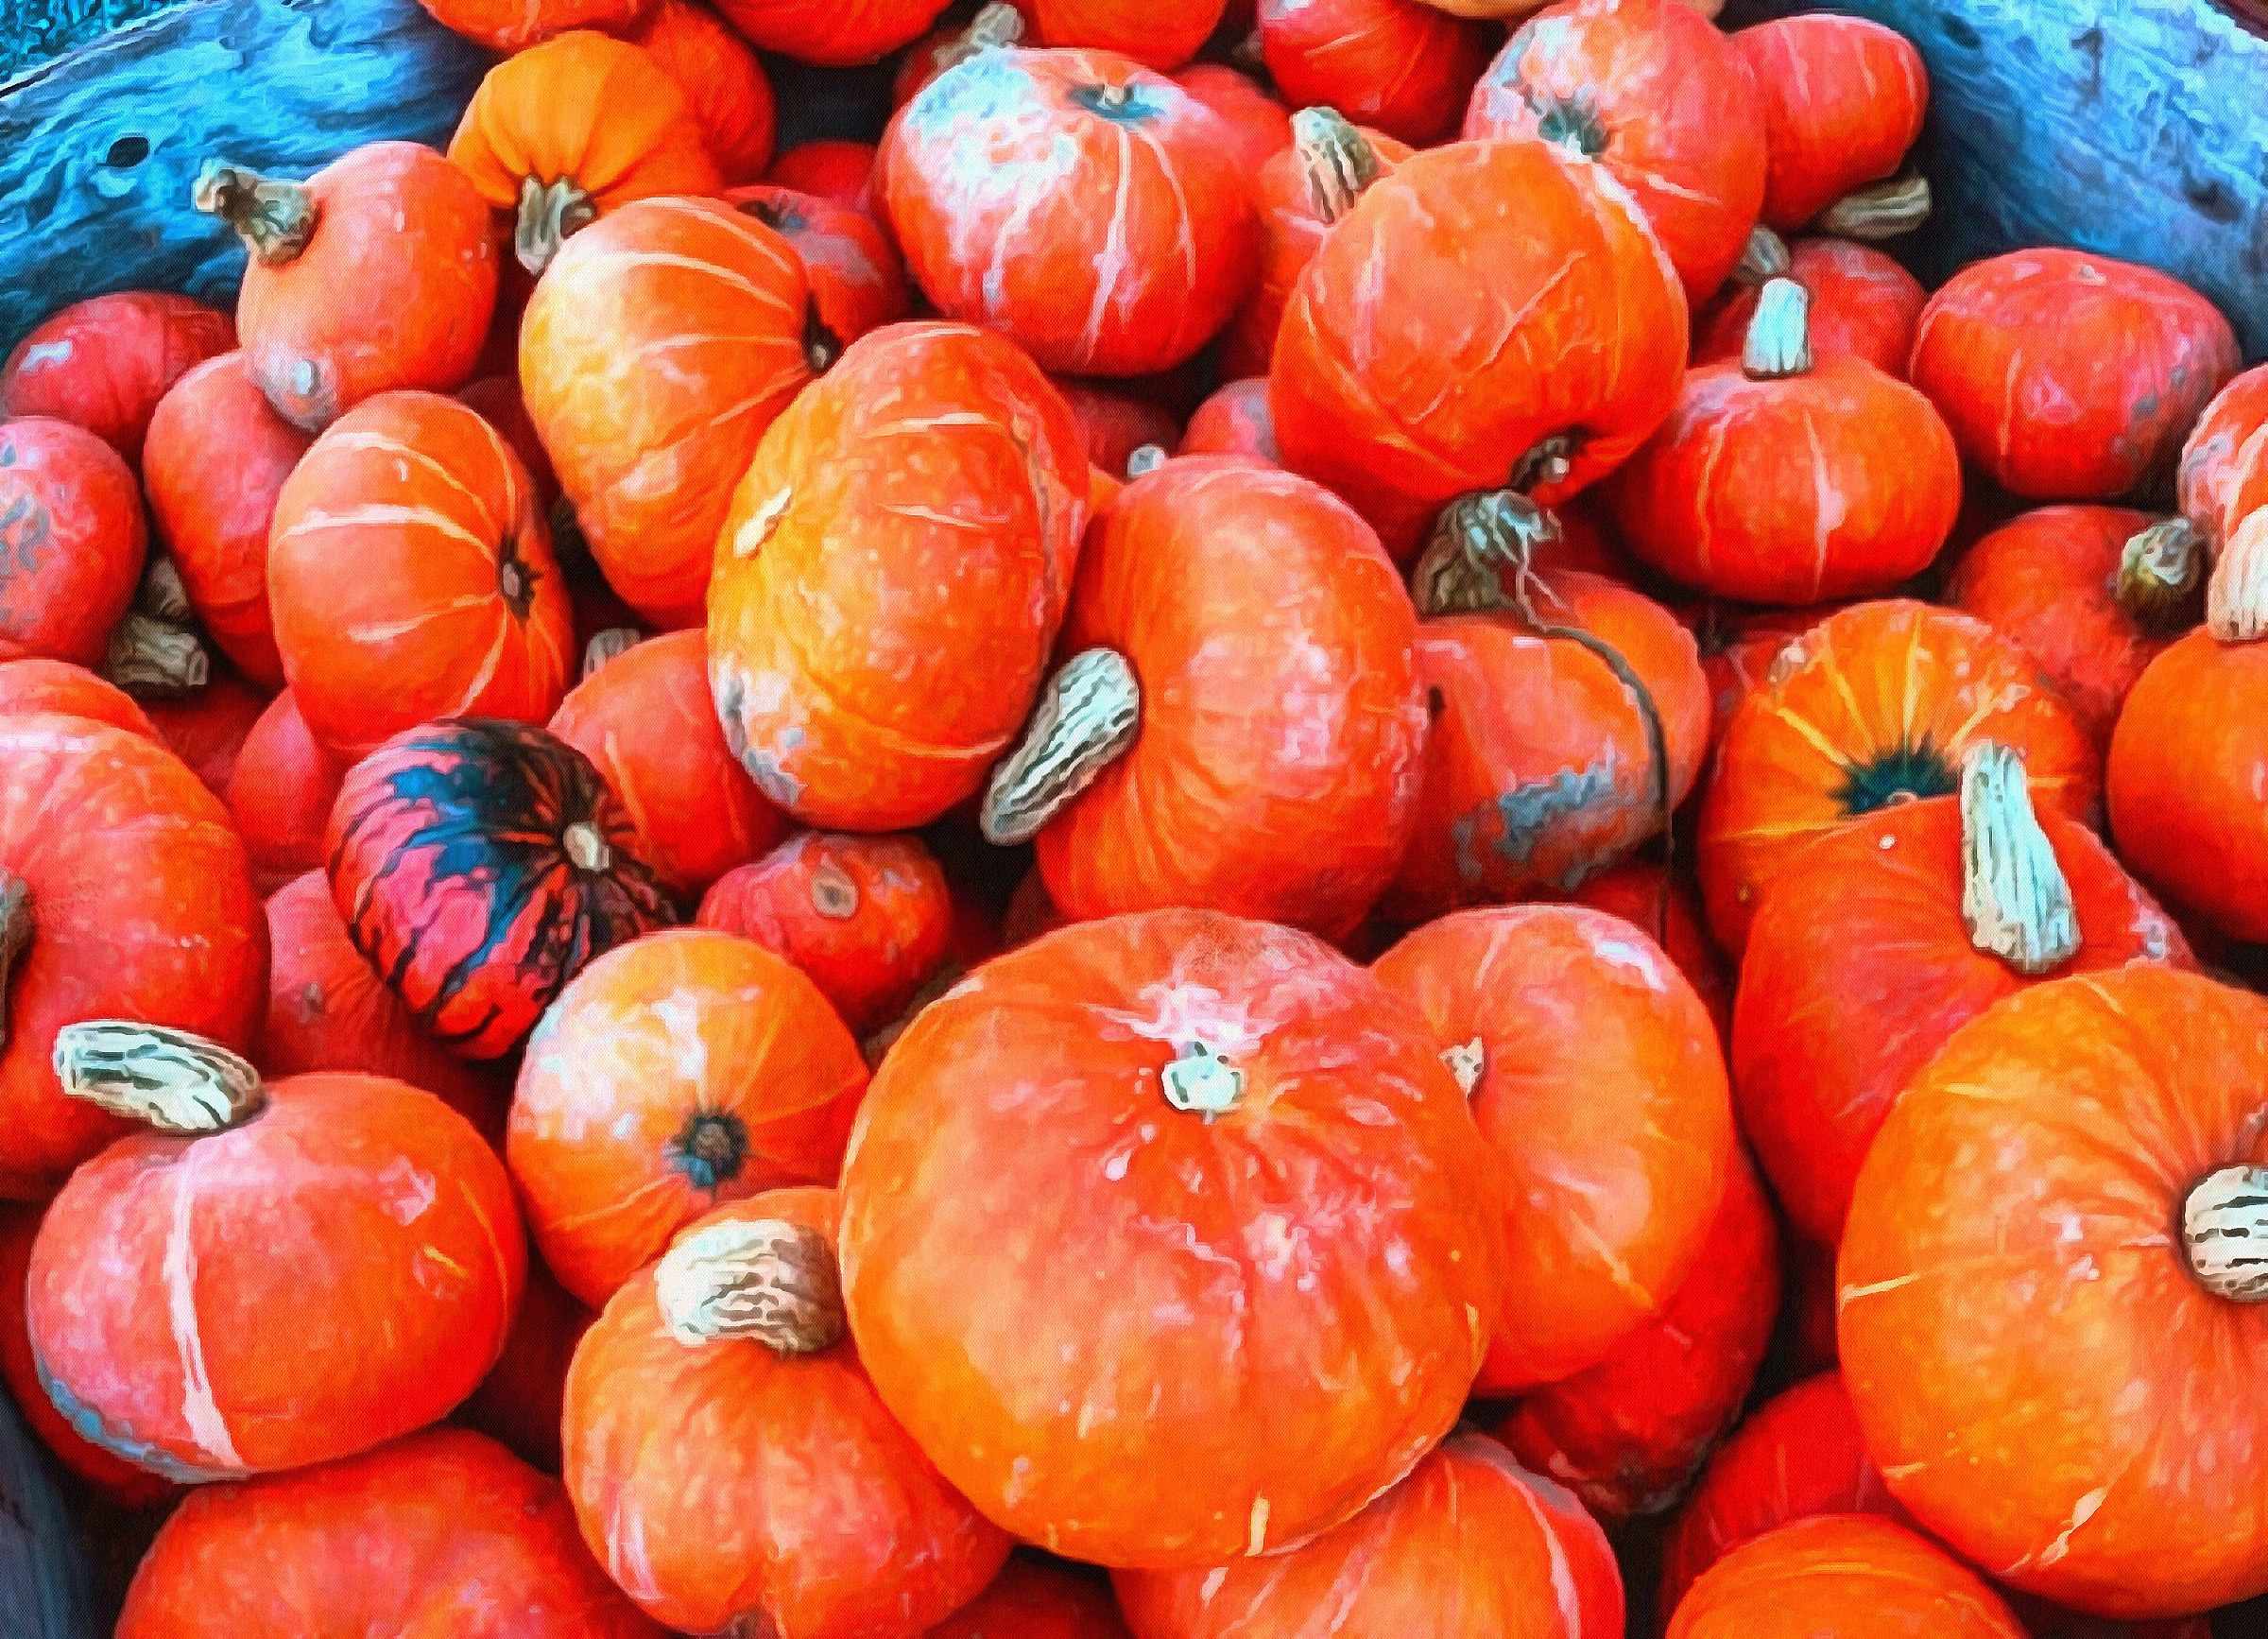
(280,794)
(803,1508)
(480,865)
(105,363)
(835,33)
(1153,1364)
(1036,1599)
(726,89)
(365,1208)
(891,575)
(1864,304)
(508,26)
(1843,1574)
(857,279)
(1395,64)
(1842,100)
(72,542)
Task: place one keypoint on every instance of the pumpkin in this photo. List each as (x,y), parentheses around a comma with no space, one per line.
(124,893)
(2093,594)
(831,169)
(857,281)
(1158,39)
(868,919)
(810,1511)
(104,364)
(648,457)
(35,685)
(410,577)
(1842,1574)
(479,866)
(1663,101)
(1403,405)
(380,1216)
(726,89)
(1842,100)
(1151,1367)
(1720,499)
(216,458)
(1669,909)
(1738,647)
(1864,304)
(280,794)
(1258,750)
(508,26)
(1259,126)
(72,541)
(1471,1545)
(521,1399)
(2011,351)
(645,721)
(1876,706)
(1136,284)
(378,272)
(2012,1356)
(891,575)
(497,400)
(1396,64)
(1036,1599)
(207,727)
(833,33)
(1234,421)
(446,1532)
(2221,476)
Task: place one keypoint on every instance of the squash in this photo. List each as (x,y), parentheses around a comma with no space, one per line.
(72,542)
(1036,1599)
(857,280)
(1258,125)
(833,33)
(105,363)
(1846,1575)
(1161,39)
(832,169)
(1864,304)
(1117,425)
(35,685)
(726,89)
(1234,421)
(280,794)
(510,26)
(1396,64)
(1843,101)
(2221,476)
(207,727)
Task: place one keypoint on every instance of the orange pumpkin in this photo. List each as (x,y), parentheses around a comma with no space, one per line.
(72,542)
(1397,65)
(409,576)
(104,364)
(1153,1368)
(280,794)
(1864,304)
(1259,126)
(1233,422)
(726,89)
(834,33)
(891,575)
(1843,1574)
(1842,100)
(1669,909)
(2222,478)
(378,272)
(1036,1599)
(1161,39)
(857,281)
(811,1511)
(832,169)
(508,26)
(36,686)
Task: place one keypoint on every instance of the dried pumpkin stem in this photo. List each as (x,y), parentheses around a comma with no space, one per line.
(15,934)
(609,644)
(2158,572)
(766,1280)
(1884,211)
(1145,460)
(2014,896)
(1201,1082)
(274,220)
(161,593)
(1336,160)
(2236,599)
(170,1080)
(1482,545)
(1779,343)
(155,659)
(996,26)
(2224,1230)
(549,212)
(1763,258)
(1088,715)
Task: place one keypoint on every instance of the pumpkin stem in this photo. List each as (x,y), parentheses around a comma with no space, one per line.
(1335,159)
(2159,570)
(154,659)
(175,1081)
(1764,258)
(587,847)
(1481,543)
(1201,1082)
(2014,896)
(274,220)
(2236,599)
(15,934)
(1145,460)
(768,1279)
(161,594)
(1884,211)
(1468,1061)
(611,644)
(548,213)
(2224,1230)
(1088,715)
(998,26)
(833,892)
(1778,344)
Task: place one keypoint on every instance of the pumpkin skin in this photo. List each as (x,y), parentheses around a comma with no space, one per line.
(140,906)
(1668,910)
(676,1073)
(1136,287)
(878,625)
(407,1260)
(216,461)
(831,169)
(1234,421)
(1471,1545)
(1998,1407)
(648,457)
(1395,64)
(72,542)
(520,1401)
(811,1515)
(496,400)
(1874,706)
(409,576)
(2010,351)
(280,795)
(1663,101)
(726,89)
(56,686)
(1843,1574)
(857,281)
(508,26)
(1447,404)
(1843,101)
(442,1532)
(2221,477)
(104,364)
(1035,1600)
(1601,1092)
(831,33)
(1864,304)
(1258,125)
(1052,1409)
(1158,39)
(207,729)
(479,866)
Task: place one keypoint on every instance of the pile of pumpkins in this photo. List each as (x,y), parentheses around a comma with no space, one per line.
(1309,826)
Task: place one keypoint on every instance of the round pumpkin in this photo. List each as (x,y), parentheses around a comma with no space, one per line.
(1036,1599)
(832,169)
(207,727)
(364,1205)
(35,685)
(2068,376)
(479,866)
(810,1511)
(1259,126)
(410,577)
(1234,421)
(378,272)
(1668,908)
(1396,64)
(833,33)
(1840,1574)
(1471,1545)
(508,26)
(648,457)
(1108,231)
(1160,38)
(104,364)
(72,542)
(1156,1367)
(857,281)
(2222,477)
(446,1532)
(1864,304)
(891,575)
(280,794)
(726,89)
(1842,100)
(521,1400)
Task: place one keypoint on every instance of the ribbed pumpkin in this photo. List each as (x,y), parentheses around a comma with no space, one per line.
(832,32)
(105,363)
(2223,475)
(1845,1575)
(72,542)
(280,794)
(857,281)
(1842,100)
(1864,304)
(726,89)
(1036,1599)
(35,685)
(508,25)
(1396,64)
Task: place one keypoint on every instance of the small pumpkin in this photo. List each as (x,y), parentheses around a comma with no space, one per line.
(508,26)
(832,169)
(1158,39)
(1234,421)
(105,363)
(72,542)
(1036,1599)
(56,686)
(1842,100)
(726,89)
(378,272)
(857,281)
(1398,65)
(831,33)
(1840,1574)
(1258,125)
(1864,304)
(280,794)
(2222,478)
(520,1401)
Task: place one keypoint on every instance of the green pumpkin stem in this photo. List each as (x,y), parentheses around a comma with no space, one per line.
(274,220)
(1088,715)
(172,1080)
(2158,573)
(766,1280)
(548,213)
(1337,160)
(2015,899)
(1778,344)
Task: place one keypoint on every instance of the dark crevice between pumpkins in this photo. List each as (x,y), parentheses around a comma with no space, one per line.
(821,346)
(711,1149)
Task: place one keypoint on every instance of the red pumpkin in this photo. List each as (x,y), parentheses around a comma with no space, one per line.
(1842,100)
(1397,65)
(2013,352)
(1233,422)
(879,624)
(1113,234)
(1259,126)
(208,727)
(35,685)
(857,281)
(508,26)
(1115,424)
(1472,1545)
(1162,39)
(280,794)
(1840,1574)
(811,1511)
(1864,304)
(376,273)
(104,364)
(521,1400)
(1154,1370)
(480,865)
(726,89)
(1669,909)
(72,542)
(2222,477)
(446,1532)
(1036,1599)
(366,1205)
(833,33)
(831,169)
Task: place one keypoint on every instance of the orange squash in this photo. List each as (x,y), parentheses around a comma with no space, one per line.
(105,363)
(1398,64)
(857,281)
(834,33)
(1158,38)
(72,542)
(1864,304)
(280,794)
(1036,1599)
(1258,125)
(34,685)
(1234,421)
(1842,100)
(832,169)
(1846,1575)
(726,89)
